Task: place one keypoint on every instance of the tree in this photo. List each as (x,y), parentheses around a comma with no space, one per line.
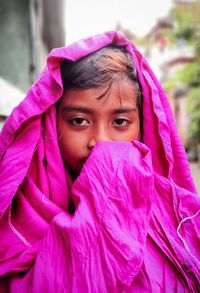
(187,29)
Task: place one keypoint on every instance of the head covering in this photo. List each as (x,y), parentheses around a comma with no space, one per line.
(35,184)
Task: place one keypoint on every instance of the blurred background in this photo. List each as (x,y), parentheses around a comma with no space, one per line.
(167,32)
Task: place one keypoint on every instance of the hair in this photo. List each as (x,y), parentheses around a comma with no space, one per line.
(99,69)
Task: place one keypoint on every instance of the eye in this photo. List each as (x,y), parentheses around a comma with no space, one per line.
(78,121)
(121,122)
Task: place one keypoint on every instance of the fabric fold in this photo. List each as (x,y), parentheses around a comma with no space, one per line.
(111,238)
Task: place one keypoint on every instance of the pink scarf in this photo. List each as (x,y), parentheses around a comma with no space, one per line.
(135,226)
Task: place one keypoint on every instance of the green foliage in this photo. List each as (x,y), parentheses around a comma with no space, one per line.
(188,76)
(187,27)
(172,82)
(184,23)
(193,105)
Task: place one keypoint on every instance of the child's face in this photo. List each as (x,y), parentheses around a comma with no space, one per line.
(83,120)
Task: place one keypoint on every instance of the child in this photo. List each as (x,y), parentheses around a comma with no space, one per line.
(96,193)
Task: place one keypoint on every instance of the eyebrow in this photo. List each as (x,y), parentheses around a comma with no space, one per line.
(86,110)
(124,110)
(76,109)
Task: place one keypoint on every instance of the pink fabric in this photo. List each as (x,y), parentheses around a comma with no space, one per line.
(135,228)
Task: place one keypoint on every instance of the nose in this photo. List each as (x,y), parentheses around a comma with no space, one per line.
(98,135)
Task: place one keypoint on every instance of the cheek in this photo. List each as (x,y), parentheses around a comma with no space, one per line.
(67,145)
(135,132)
(71,144)
(64,140)
(60,124)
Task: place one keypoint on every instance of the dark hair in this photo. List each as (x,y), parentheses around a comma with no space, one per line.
(101,68)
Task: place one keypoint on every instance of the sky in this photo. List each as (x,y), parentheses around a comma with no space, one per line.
(88,17)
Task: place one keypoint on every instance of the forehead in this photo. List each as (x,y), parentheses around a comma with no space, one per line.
(118,93)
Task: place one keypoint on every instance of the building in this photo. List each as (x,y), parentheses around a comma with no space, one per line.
(166,57)
(29,30)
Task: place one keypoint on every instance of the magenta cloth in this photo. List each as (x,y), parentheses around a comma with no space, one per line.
(136,223)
